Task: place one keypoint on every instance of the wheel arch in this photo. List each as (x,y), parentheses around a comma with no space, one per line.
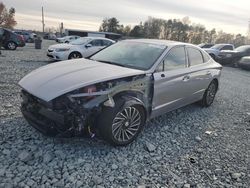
(74,51)
(136,97)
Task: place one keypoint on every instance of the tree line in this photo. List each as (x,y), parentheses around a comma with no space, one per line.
(173,29)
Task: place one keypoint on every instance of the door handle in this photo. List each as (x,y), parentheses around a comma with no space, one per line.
(186,78)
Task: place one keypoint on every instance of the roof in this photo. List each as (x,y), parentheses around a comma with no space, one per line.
(157,41)
(97,32)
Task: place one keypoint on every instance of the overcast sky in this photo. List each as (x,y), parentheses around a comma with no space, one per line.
(227,15)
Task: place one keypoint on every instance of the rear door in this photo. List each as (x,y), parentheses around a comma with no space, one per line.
(171,82)
(200,75)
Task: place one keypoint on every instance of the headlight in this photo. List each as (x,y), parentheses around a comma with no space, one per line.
(61,49)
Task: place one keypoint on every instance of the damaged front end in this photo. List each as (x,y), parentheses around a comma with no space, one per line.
(75,113)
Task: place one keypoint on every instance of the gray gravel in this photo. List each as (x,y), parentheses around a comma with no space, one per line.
(189,147)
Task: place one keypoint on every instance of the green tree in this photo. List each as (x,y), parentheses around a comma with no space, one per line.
(110,25)
(7,17)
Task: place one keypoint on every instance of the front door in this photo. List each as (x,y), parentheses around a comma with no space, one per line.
(171,82)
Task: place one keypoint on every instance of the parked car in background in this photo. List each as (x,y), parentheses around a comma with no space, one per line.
(244,63)
(204,45)
(49,36)
(117,90)
(82,47)
(233,56)
(215,50)
(10,40)
(28,36)
(67,39)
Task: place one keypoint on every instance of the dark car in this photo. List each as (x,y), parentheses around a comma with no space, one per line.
(233,56)
(28,36)
(10,40)
(244,63)
(204,45)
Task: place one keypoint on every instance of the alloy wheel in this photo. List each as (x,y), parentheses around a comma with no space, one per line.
(126,124)
(11,45)
(211,93)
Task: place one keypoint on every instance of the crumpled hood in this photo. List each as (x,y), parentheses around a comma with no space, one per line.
(64,45)
(51,81)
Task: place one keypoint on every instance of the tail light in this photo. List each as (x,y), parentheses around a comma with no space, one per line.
(21,38)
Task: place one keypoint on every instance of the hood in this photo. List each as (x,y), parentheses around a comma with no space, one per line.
(54,80)
(64,45)
(210,50)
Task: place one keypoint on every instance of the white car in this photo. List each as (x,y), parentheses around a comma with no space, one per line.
(67,39)
(80,48)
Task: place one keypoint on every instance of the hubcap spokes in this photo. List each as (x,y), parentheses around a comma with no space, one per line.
(126,124)
(211,93)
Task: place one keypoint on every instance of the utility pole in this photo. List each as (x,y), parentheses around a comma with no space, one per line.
(43,20)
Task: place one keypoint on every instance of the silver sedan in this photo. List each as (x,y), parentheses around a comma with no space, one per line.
(116,91)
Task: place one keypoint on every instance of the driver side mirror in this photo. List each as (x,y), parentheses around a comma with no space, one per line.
(88,45)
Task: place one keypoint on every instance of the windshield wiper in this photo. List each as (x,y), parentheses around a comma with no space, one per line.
(110,62)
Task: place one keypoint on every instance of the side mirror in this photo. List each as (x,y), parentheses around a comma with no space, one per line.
(88,45)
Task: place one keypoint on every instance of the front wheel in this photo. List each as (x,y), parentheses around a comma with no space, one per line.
(75,55)
(209,95)
(11,45)
(121,125)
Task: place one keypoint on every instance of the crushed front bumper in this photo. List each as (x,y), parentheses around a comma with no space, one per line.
(42,118)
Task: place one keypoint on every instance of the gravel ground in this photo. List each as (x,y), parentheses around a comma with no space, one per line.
(189,147)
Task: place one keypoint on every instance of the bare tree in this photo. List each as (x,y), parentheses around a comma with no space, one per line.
(7,17)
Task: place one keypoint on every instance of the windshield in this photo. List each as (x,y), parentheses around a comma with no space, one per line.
(131,54)
(217,46)
(242,48)
(80,41)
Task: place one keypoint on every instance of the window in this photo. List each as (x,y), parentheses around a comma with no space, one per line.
(96,43)
(227,47)
(106,42)
(175,59)
(194,56)
(206,57)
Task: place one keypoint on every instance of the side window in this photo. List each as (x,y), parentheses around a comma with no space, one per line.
(160,68)
(206,57)
(195,57)
(96,43)
(227,47)
(106,43)
(175,59)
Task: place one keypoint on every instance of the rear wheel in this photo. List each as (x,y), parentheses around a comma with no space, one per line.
(11,45)
(209,95)
(75,55)
(121,125)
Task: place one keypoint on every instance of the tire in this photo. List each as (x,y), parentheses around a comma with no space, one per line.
(116,126)
(66,42)
(11,45)
(75,55)
(209,95)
